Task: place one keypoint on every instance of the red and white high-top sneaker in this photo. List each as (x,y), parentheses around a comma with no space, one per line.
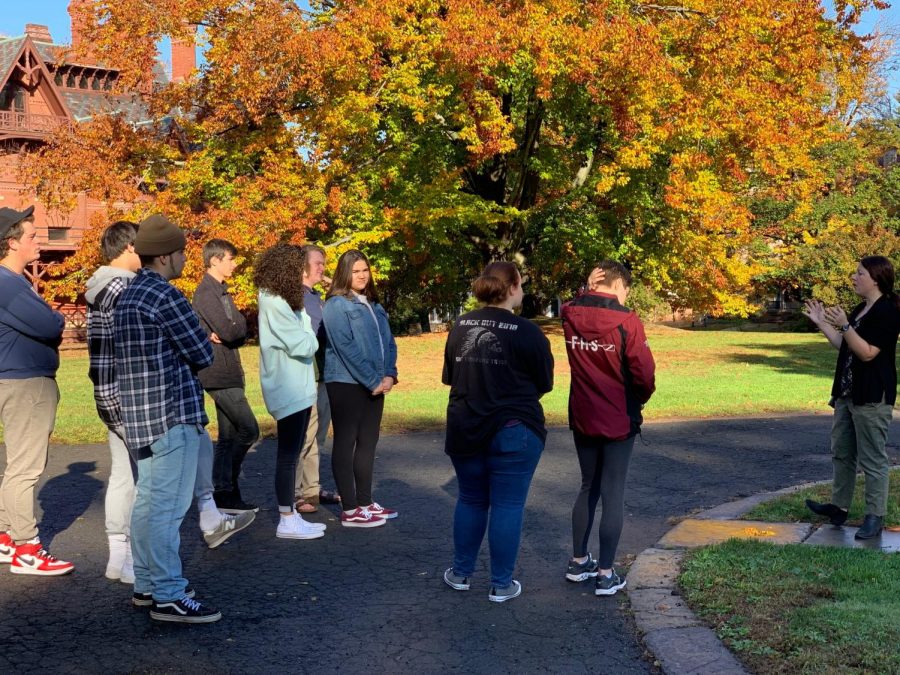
(7,548)
(31,558)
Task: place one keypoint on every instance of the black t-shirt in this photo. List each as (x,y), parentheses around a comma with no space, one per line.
(498,366)
(875,380)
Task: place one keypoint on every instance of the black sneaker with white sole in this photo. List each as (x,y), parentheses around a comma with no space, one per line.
(582,571)
(609,585)
(185,610)
(146,599)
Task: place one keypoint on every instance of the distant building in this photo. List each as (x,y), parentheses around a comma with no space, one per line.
(42,86)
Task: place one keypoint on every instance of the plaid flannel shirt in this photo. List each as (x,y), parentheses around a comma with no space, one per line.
(101,348)
(159,347)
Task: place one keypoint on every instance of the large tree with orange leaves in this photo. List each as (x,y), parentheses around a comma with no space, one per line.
(441,134)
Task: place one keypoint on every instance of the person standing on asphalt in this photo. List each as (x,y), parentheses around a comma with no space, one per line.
(360,369)
(103,291)
(613,376)
(498,366)
(159,347)
(30,333)
(287,350)
(224,379)
(309,491)
(863,392)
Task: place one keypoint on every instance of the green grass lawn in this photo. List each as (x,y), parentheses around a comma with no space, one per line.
(792,509)
(699,374)
(799,609)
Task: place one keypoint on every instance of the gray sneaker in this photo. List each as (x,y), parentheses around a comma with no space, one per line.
(514,590)
(455,581)
(228,526)
(609,585)
(582,571)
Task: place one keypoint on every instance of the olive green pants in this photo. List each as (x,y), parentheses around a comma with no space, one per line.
(858,438)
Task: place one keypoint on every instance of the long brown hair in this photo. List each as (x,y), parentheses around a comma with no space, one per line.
(882,272)
(279,271)
(343,276)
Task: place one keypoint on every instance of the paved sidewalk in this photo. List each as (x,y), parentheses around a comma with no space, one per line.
(372,600)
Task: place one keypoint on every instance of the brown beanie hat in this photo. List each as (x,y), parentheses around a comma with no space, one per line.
(157,236)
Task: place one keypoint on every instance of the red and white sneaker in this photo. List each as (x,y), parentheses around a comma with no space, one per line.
(7,548)
(31,558)
(377,509)
(359,517)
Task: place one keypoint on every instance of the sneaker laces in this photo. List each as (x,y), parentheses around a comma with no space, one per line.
(46,556)
(190,603)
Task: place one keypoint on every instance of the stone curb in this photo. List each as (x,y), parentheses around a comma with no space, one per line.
(677,638)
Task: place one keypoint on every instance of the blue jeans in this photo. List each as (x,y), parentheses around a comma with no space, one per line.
(493,487)
(164,488)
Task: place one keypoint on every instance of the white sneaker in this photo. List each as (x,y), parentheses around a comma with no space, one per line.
(294,527)
(128,567)
(118,549)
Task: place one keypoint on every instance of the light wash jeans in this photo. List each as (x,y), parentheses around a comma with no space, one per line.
(493,487)
(120,491)
(203,485)
(164,488)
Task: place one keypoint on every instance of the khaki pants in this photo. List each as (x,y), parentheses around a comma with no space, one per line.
(308,464)
(858,438)
(28,414)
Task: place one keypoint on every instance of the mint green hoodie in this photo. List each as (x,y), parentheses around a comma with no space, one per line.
(287,350)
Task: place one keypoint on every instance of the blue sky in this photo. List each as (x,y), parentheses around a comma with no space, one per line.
(15,14)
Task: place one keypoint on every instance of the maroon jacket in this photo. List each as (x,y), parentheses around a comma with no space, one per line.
(612,367)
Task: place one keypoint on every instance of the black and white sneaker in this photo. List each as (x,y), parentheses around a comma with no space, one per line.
(146,599)
(185,610)
(609,585)
(582,571)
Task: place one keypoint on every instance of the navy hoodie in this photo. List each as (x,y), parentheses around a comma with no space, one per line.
(30,332)
(613,372)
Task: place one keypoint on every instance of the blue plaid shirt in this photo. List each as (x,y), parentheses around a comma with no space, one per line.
(160,346)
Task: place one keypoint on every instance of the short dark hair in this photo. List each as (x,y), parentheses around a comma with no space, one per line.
(116,238)
(217,248)
(343,275)
(15,232)
(615,270)
(492,287)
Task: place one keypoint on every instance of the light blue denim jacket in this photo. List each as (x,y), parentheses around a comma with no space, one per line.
(353,352)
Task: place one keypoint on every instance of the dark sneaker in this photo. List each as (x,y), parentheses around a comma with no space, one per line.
(228,526)
(871,527)
(609,585)
(582,571)
(514,590)
(377,509)
(455,581)
(146,599)
(835,514)
(233,503)
(185,610)
(359,517)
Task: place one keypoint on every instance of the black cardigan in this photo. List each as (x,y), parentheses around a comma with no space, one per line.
(218,314)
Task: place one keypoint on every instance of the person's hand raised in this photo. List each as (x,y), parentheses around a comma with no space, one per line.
(814,310)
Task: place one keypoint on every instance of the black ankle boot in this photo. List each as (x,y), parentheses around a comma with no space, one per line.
(835,514)
(871,527)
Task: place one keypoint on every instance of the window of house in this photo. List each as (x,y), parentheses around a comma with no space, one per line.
(70,80)
(12,97)
(58,78)
(58,234)
(83,82)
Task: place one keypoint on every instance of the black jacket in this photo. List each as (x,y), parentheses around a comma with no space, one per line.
(218,314)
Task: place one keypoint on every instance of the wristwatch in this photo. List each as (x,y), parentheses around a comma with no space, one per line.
(844,328)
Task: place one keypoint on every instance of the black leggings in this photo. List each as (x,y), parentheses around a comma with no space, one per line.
(291,434)
(604,468)
(356,420)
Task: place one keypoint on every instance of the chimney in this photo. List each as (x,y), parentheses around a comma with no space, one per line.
(184,57)
(38,32)
(78,13)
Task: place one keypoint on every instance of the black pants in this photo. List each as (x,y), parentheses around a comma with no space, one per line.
(356,421)
(238,430)
(604,468)
(291,434)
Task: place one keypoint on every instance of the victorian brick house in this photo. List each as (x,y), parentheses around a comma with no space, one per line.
(43,86)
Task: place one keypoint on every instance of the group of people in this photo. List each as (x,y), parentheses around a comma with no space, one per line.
(153,353)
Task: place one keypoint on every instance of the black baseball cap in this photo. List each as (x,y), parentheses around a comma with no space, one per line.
(10,217)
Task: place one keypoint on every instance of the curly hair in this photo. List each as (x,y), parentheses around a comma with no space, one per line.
(279,271)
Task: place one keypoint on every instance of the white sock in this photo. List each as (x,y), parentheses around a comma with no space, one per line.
(210,519)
